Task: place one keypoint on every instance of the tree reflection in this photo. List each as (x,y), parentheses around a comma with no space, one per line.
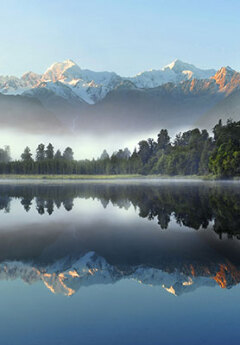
(193,205)
(26,202)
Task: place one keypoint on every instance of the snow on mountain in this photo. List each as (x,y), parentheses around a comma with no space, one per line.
(90,92)
(66,79)
(13,86)
(53,88)
(153,78)
(63,78)
(31,78)
(175,72)
(189,70)
(88,85)
(62,70)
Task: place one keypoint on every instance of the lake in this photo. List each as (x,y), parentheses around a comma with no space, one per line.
(119,262)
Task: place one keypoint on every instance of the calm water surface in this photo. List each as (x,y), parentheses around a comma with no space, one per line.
(120,263)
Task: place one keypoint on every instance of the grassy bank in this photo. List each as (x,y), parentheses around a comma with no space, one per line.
(104,177)
(66,177)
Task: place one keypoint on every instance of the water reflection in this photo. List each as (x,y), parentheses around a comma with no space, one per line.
(68,254)
(192,205)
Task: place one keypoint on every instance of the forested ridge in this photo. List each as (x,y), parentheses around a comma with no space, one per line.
(193,152)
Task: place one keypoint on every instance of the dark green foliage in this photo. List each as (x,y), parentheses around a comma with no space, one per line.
(5,155)
(193,152)
(146,150)
(40,153)
(104,155)
(163,140)
(26,155)
(68,154)
(225,158)
(49,151)
(58,155)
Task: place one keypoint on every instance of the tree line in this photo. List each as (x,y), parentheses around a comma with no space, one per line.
(193,152)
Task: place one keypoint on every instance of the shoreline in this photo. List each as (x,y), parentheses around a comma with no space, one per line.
(108,178)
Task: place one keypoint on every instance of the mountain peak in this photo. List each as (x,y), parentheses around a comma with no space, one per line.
(224,76)
(62,70)
(179,66)
(226,70)
(69,61)
(66,63)
(189,71)
(30,76)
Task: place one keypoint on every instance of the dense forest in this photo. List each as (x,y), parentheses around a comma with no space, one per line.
(193,152)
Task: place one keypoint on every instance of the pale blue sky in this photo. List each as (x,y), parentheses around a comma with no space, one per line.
(126,36)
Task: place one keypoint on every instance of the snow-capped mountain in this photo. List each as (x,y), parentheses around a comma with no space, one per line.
(63,79)
(87,85)
(177,93)
(67,78)
(175,72)
(15,86)
(189,70)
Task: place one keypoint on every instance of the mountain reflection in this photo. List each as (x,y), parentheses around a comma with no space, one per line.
(192,205)
(67,276)
(67,254)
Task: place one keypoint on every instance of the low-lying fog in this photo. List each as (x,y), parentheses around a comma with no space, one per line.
(85,145)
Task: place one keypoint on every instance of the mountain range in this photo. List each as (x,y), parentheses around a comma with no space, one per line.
(67,97)
(66,79)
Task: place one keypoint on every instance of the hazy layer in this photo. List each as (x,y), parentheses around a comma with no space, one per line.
(83,145)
